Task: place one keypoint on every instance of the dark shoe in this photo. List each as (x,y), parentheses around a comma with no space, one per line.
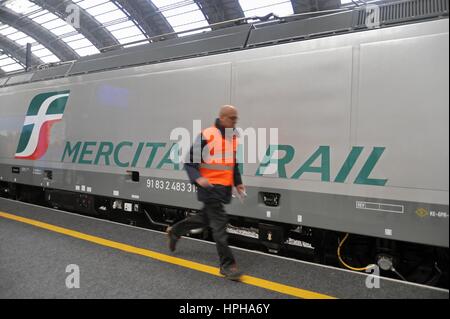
(231,272)
(172,239)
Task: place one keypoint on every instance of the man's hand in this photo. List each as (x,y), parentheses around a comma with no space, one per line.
(203,182)
(241,189)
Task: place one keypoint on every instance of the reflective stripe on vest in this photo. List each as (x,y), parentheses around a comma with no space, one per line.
(218,157)
(218,167)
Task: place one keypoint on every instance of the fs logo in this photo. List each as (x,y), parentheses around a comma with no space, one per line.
(45,109)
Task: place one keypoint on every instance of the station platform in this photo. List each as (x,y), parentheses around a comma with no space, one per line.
(39,248)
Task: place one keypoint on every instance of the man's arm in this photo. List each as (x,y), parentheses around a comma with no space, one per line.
(193,160)
(192,165)
(238,181)
(237,175)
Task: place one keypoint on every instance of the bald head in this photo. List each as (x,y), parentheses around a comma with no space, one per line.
(226,109)
(228,116)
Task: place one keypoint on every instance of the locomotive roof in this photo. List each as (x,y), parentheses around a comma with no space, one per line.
(242,35)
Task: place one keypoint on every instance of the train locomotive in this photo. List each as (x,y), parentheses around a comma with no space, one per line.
(357,174)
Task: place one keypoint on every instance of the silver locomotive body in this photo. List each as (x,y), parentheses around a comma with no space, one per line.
(362,123)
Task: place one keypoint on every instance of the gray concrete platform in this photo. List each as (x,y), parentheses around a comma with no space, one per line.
(33,264)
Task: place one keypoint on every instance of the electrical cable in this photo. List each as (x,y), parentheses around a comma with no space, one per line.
(350,267)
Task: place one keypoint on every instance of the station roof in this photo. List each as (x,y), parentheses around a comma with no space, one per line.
(66,30)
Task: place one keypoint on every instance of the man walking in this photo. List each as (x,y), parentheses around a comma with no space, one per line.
(214,169)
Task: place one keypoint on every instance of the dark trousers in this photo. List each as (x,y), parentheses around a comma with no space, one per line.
(213,215)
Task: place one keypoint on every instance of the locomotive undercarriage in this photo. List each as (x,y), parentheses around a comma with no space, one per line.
(389,258)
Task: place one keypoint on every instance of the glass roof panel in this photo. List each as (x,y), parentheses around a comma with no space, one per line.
(110,16)
(121,25)
(5,30)
(17,35)
(5,60)
(22,6)
(7,64)
(12,67)
(54,24)
(49,59)
(46,19)
(182,10)
(124,33)
(192,25)
(37,47)
(88,51)
(22,39)
(82,43)
(73,38)
(40,52)
(182,15)
(42,18)
(25,40)
(85,4)
(132,39)
(65,29)
(106,12)
(102,8)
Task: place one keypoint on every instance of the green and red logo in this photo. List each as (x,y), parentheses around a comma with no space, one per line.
(45,109)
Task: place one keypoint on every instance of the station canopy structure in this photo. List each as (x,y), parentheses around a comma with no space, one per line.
(65,30)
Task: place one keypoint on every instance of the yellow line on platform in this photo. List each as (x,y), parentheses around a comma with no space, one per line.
(254,281)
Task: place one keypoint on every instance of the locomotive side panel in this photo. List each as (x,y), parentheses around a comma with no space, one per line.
(344,170)
(114,125)
(403,104)
(355,133)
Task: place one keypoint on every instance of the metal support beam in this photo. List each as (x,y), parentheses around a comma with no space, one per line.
(28,57)
(18,52)
(220,10)
(89,26)
(41,34)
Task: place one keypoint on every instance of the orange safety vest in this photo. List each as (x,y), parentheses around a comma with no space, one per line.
(218,157)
